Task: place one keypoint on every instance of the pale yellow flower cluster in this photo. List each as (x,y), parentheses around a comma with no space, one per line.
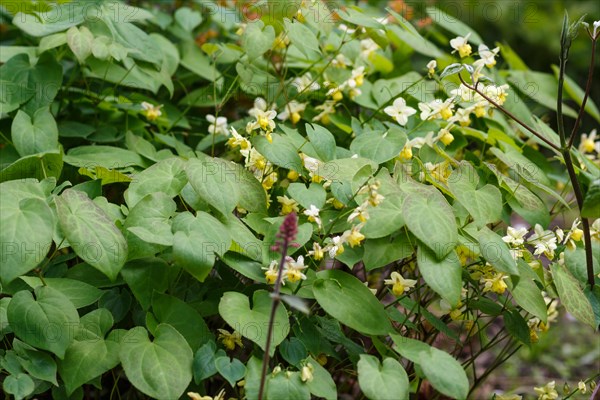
(255,162)
(292,270)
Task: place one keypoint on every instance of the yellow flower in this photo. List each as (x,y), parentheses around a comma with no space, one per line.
(431,65)
(293,175)
(151,111)
(196,396)
(269,180)
(479,111)
(354,237)
(317,252)
(338,205)
(406,153)
(230,340)
(360,212)
(307,373)
(238,140)
(533,336)
(281,42)
(495,283)
(336,247)
(446,137)
(295,117)
(313,214)
(576,234)
(271,272)
(461,44)
(357,78)
(588,146)
(336,94)
(589,143)
(582,387)
(287,205)
(547,392)
(399,284)
(446,111)
(293,269)
(264,117)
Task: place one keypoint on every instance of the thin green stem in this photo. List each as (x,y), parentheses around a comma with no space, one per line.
(588,88)
(566,153)
(509,114)
(276,296)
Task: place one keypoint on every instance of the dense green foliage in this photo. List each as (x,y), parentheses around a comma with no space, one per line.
(149,157)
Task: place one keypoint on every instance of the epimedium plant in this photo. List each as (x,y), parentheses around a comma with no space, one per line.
(283,200)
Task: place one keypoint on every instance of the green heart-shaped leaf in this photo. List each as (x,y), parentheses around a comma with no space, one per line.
(231,370)
(253,322)
(162,368)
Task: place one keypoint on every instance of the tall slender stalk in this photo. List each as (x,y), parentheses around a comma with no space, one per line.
(286,236)
(567,36)
(566,143)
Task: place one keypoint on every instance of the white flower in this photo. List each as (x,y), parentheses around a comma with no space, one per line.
(293,269)
(547,392)
(316,252)
(310,163)
(487,55)
(574,235)
(374,291)
(516,253)
(436,109)
(255,161)
(313,166)
(466,94)
(461,116)
(367,46)
(152,112)
(217,125)
(596,27)
(326,108)
(356,78)
(461,44)
(345,28)
(399,111)
(292,111)
(313,214)
(260,104)
(496,93)
(515,237)
(305,83)
(544,241)
(431,66)
(336,247)
(271,273)
(264,120)
(360,212)
(341,61)
(238,140)
(306,374)
(399,283)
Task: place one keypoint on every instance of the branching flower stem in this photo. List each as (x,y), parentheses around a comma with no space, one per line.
(564,149)
(508,113)
(566,145)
